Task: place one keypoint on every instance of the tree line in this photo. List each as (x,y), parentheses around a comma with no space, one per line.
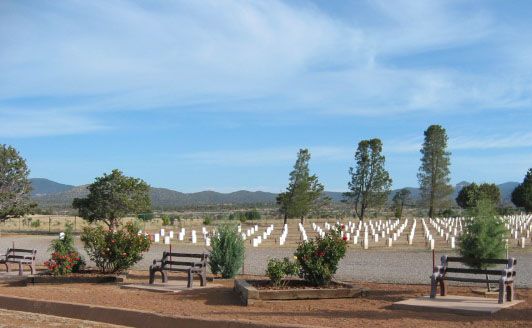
(370,183)
(113,196)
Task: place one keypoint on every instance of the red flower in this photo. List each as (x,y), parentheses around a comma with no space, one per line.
(343,226)
(345,238)
(321,254)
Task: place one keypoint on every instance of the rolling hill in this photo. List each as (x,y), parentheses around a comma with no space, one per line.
(48,193)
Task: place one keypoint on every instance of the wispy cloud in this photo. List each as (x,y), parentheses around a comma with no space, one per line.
(265,156)
(192,56)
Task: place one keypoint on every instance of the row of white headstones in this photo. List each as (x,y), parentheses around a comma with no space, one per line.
(167,236)
(390,229)
(256,240)
(520,227)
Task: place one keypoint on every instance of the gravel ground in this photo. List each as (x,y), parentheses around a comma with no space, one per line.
(382,265)
(17,319)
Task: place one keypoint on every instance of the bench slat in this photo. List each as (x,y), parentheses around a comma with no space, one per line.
(190,264)
(471,280)
(474,271)
(488,261)
(185,255)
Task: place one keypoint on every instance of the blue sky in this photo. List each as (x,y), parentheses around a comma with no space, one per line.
(220,95)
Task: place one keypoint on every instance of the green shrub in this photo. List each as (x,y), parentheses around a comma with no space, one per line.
(483,235)
(319,257)
(166,219)
(114,251)
(65,258)
(252,215)
(35,224)
(146,216)
(277,270)
(207,220)
(228,250)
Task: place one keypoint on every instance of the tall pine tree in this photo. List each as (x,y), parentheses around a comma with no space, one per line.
(370,182)
(434,174)
(304,191)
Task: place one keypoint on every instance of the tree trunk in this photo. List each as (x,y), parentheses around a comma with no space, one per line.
(487,282)
(362,210)
(285,218)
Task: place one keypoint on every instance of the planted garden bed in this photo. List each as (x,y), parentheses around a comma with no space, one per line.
(252,291)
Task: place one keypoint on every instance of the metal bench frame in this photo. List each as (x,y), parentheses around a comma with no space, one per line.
(21,257)
(174,262)
(505,280)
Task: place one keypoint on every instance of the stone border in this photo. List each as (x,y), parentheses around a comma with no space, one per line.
(94,279)
(124,317)
(250,295)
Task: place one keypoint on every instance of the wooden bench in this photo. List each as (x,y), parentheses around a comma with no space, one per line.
(506,276)
(21,257)
(181,262)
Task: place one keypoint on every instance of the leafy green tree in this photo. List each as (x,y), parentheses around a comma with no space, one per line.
(522,194)
(303,192)
(434,174)
(14,184)
(471,194)
(370,182)
(400,199)
(112,197)
(483,236)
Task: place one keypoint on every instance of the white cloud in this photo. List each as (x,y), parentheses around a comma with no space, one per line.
(197,55)
(265,156)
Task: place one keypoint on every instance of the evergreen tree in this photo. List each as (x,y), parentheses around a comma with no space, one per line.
(112,197)
(471,194)
(303,192)
(522,194)
(434,174)
(14,184)
(483,236)
(400,199)
(370,182)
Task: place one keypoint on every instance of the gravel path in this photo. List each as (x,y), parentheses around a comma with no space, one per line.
(382,265)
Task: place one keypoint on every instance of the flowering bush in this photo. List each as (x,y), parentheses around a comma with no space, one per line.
(65,258)
(115,251)
(319,257)
(278,269)
(61,264)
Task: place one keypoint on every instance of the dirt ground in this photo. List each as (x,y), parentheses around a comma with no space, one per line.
(220,302)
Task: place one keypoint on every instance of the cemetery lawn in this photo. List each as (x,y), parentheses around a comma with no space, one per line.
(221,303)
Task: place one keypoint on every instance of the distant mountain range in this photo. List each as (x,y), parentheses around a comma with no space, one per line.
(48,193)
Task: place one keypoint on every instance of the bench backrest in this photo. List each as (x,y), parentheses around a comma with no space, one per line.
(20,253)
(508,271)
(197,260)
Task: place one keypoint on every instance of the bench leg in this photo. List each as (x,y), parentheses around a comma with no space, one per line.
(510,292)
(152,276)
(20,269)
(32,269)
(190,279)
(203,276)
(165,276)
(433,286)
(443,288)
(8,269)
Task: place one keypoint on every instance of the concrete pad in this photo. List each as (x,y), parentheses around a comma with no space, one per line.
(454,304)
(172,286)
